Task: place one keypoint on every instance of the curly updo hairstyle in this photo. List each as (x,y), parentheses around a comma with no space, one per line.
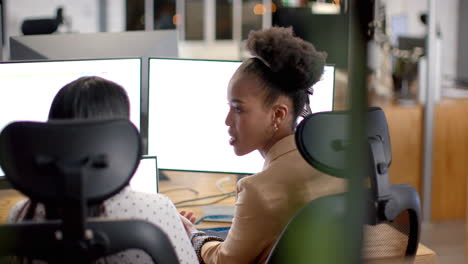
(285,64)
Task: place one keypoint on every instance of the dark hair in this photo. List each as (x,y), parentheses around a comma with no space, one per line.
(90,97)
(87,97)
(286,64)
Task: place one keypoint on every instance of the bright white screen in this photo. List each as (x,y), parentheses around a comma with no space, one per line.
(322,98)
(145,177)
(187,109)
(28,88)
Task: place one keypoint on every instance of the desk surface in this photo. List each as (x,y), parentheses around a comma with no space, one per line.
(182,185)
(188,185)
(8,198)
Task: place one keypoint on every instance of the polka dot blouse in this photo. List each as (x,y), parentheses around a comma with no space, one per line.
(129,204)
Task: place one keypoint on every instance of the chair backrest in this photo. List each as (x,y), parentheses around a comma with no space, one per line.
(42,159)
(69,165)
(393,210)
(322,138)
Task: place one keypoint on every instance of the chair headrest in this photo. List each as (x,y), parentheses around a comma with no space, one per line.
(107,152)
(322,138)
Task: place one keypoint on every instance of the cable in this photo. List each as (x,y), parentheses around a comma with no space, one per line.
(216,229)
(220,182)
(204,198)
(220,218)
(180,189)
(226,196)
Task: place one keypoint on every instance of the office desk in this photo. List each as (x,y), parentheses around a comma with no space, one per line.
(209,184)
(383,244)
(206,184)
(424,255)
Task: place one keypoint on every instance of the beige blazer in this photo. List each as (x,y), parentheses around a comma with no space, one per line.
(265,203)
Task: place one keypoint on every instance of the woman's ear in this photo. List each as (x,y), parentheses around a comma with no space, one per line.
(280,112)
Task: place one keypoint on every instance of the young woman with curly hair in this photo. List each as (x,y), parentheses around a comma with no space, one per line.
(266,95)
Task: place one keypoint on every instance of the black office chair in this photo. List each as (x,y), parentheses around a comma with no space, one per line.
(40,26)
(68,166)
(393,211)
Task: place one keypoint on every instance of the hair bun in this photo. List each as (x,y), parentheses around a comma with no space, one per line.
(297,62)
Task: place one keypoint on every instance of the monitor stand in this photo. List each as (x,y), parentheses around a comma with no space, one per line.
(163,176)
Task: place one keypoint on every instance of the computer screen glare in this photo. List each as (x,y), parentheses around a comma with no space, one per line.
(145,178)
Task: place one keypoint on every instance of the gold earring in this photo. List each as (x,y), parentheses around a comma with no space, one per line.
(275,127)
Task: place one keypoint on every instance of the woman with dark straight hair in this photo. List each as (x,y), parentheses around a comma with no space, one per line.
(98,98)
(90,98)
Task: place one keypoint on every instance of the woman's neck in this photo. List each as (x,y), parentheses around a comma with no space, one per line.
(280,134)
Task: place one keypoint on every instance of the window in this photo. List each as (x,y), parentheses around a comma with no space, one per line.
(194,13)
(252,13)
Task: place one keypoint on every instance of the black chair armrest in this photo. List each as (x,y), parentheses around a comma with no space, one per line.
(108,237)
(137,234)
(404,197)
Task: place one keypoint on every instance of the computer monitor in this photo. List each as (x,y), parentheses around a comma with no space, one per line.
(322,98)
(28,88)
(186,112)
(146,177)
(128,44)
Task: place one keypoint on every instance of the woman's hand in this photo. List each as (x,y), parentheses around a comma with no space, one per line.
(189,216)
(188,224)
